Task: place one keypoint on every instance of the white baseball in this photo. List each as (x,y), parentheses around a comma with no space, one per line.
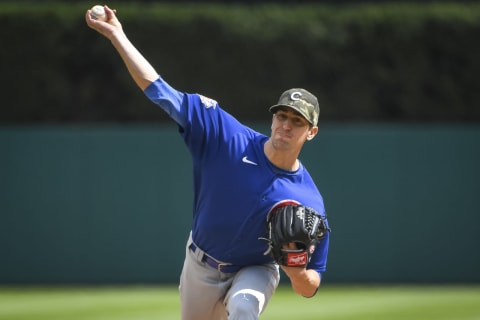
(98,13)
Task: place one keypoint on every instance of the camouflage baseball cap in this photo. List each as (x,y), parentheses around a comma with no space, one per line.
(302,101)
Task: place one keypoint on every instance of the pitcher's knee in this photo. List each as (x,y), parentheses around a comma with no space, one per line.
(243,306)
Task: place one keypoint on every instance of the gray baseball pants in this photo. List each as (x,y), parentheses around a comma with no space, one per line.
(208,294)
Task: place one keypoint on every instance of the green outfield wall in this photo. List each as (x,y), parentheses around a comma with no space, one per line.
(112,204)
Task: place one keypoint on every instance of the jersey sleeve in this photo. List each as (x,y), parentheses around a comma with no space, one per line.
(169,99)
(318,261)
(200,119)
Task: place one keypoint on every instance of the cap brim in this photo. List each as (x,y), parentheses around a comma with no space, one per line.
(274,107)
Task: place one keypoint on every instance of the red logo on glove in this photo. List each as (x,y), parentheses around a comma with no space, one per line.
(297,259)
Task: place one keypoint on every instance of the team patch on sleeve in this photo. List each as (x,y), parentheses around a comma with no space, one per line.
(207,102)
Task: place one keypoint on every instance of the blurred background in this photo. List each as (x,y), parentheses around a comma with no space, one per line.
(95,182)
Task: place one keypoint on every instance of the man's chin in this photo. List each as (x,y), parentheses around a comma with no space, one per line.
(281,143)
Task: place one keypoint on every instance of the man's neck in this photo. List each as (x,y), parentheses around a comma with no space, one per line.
(282,159)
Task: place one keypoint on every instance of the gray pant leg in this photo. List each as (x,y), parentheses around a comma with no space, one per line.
(251,290)
(202,289)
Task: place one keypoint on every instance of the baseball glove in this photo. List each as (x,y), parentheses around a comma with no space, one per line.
(294,224)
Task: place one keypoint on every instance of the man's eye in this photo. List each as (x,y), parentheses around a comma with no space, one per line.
(281,117)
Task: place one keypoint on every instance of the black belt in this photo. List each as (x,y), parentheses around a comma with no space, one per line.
(220,266)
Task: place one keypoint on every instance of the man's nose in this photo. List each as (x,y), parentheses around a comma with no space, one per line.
(287,123)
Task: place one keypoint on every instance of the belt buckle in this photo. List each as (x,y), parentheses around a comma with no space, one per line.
(222,264)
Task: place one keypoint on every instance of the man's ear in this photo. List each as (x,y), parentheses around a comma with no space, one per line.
(312,133)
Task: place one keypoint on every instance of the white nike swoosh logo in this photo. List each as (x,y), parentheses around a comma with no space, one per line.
(244,159)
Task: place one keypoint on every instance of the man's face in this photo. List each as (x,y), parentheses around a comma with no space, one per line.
(290,129)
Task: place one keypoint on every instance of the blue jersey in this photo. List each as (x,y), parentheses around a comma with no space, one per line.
(235,185)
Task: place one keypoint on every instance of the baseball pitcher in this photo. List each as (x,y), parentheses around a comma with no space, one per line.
(255,206)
